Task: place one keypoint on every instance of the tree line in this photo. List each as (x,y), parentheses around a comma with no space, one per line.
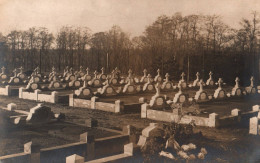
(171,43)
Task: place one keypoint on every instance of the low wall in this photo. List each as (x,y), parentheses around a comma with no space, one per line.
(88,147)
(38,96)
(110,145)
(116,107)
(5,91)
(236,118)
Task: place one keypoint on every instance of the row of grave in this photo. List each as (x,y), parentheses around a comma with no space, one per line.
(76,79)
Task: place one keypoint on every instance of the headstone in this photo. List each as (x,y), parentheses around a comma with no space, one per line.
(107,90)
(158,77)
(167,85)
(130,87)
(237,91)
(87,77)
(210,81)
(219,92)
(182,82)
(144,78)
(102,76)
(158,101)
(201,94)
(197,80)
(148,86)
(3,76)
(180,97)
(84,91)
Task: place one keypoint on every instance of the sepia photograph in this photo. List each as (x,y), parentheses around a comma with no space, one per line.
(129,81)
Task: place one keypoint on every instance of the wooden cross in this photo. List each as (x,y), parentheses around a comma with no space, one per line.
(158,72)
(87,70)
(145,72)
(201,85)
(182,76)
(197,75)
(95,73)
(252,81)
(167,77)
(237,82)
(210,74)
(220,81)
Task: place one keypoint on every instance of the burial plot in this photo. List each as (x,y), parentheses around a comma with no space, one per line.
(210,81)
(84,91)
(32,84)
(115,78)
(237,90)
(182,83)
(21,75)
(15,79)
(158,77)
(167,85)
(158,102)
(144,78)
(148,86)
(95,82)
(75,83)
(251,89)
(130,87)
(80,73)
(197,80)
(102,76)
(201,95)
(70,76)
(107,90)
(3,76)
(219,92)
(180,97)
(87,76)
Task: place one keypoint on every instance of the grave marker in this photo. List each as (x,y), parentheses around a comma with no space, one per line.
(210,81)
(219,92)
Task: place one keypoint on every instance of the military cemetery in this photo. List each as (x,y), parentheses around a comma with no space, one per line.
(110,81)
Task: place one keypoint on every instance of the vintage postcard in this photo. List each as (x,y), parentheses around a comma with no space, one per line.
(143,81)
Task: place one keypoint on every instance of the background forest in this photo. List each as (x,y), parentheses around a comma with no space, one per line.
(192,43)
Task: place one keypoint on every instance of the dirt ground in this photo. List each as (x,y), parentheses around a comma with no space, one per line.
(231,144)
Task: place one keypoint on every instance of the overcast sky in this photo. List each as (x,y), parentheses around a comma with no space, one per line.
(100,15)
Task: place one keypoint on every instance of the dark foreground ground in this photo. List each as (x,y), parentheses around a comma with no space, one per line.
(232,144)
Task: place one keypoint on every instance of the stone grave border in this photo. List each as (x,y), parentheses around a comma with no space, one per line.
(116,107)
(236,117)
(38,96)
(116,148)
(8,90)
